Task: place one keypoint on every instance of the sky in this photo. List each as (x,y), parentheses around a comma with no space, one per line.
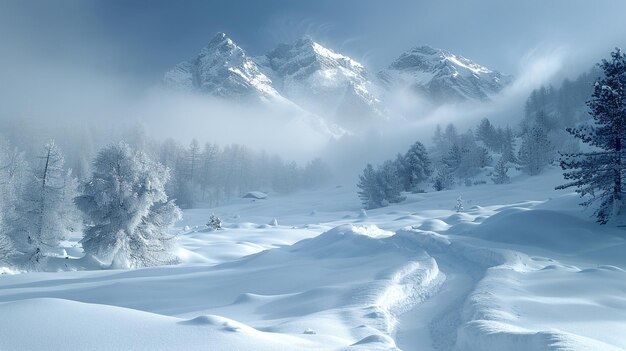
(140,39)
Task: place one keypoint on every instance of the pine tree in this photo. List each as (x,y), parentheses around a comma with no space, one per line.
(454,158)
(127,209)
(389,183)
(508,146)
(193,157)
(415,166)
(443,178)
(370,193)
(487,134)
(13,170)
(535,152)
(208,171)
(6,249)
(438,138)
(458,207)
(44,214)
(214,223)
(599,172)
(500,175)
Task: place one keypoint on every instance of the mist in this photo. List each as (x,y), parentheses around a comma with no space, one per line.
(73,70)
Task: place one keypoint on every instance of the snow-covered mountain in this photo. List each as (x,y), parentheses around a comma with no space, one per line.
(333,87)
(322,81)
(221,69)
(442,76)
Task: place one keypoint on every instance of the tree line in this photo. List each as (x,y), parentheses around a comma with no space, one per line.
(129,197)
(581,125)
(209,174)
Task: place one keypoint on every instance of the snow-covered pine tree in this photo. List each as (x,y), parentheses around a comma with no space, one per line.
(208,168)
(535,152)
(500,175)
(438,138)
(442,179)
(416,166)
(370,193)
(389,183)
(453,158)
(459,205)
(43,213)
(6,249)
(13,170)
(599,173)
(508,145)
(127,209)
(403,173)
(214,223)
(486,133)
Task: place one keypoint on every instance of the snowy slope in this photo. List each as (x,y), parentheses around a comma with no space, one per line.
(521,270)
(442,76)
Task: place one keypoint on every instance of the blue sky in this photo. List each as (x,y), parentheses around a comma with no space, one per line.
(143,38)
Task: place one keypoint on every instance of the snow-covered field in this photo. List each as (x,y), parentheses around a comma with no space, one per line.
(521,268)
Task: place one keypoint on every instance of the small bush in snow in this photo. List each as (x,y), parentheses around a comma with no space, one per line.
(215,223)
(459,205)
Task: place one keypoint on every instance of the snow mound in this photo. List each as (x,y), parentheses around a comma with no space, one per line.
(259,195)
(489,335)
(225,323)
(552,230)
(344,241)
(35,325)
(376,339)
(435,225)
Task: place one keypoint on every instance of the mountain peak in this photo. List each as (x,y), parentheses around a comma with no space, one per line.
(223,69)
(218,38)
(443,76)
(321,80)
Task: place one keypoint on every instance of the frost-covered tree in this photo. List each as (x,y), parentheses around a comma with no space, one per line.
(458,207)
(442,179)
(370,193)
(415,167)
(127,209)
(500,174)
(599,172)
(208,170)
(508,145)
(438,138)
(6,249)
(389,182)
(486,133)
(214,223)
(535,152)
(453,158)
(45,213)
(13,170)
